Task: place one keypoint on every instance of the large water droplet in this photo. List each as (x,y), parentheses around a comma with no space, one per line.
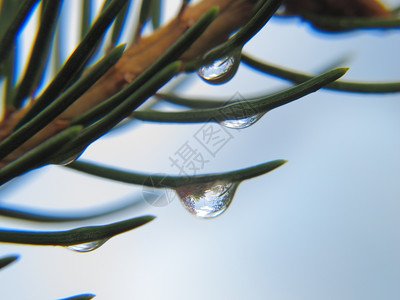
(221,70)
(243,122)
(87,247)
(207,200)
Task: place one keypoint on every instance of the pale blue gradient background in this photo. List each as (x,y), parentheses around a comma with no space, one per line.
(324,226)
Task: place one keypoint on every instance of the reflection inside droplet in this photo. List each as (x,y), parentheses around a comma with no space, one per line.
(87,247)
(242,123)
(221,70)
(207,200)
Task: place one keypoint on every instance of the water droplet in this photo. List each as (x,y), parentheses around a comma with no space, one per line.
(87,247)
(69,160)
(221,70)
(207,200)
(243,122)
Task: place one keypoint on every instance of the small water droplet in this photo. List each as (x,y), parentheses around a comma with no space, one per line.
(69,160)
(221,70)
(207,200)
(243,122)
(87,247)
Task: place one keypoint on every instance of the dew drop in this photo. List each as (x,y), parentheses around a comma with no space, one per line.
(69,160)
(207,200)
(221,70)
(87,247)
(243,122)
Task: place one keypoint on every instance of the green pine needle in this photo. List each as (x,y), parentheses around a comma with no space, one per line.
(13,28)
(5,261)
(169,181)
(40,53)
(328,23)
(80,297)
(72,237)
(246,108)
(43,216)
(346,86)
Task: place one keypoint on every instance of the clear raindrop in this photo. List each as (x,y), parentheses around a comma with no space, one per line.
(243,122)
(87,247)
(207,200)
(221,70)
(70,160)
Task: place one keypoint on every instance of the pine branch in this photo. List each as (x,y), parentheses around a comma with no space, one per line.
(139,57)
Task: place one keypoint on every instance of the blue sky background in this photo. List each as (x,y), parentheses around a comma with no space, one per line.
(324,226)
